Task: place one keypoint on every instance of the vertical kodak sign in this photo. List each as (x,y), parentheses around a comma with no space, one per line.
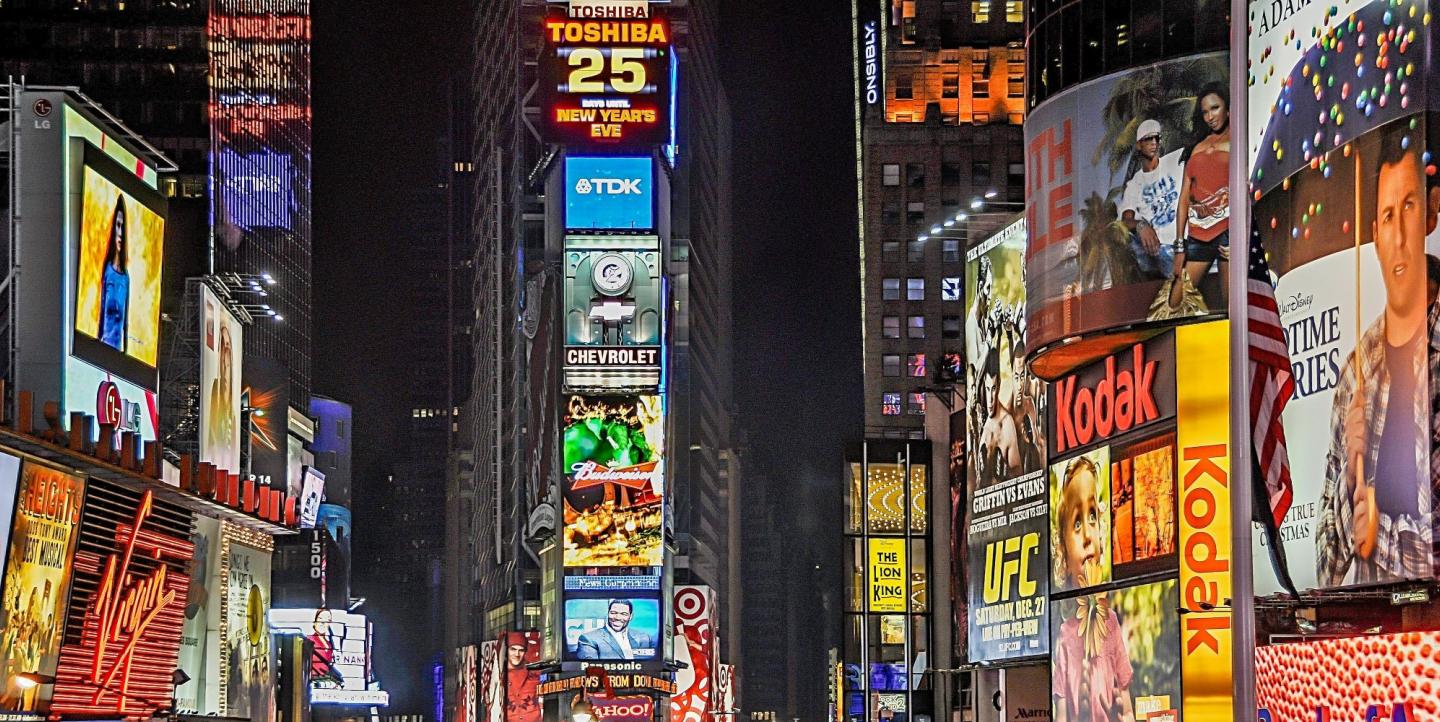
(887,575)
(1202,369)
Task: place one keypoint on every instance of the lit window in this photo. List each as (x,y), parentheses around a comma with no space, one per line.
(914,289)
(950,86)
(890,404)
(979,68)
(980,11)
(950,288)
(915,212)
(890,327)
(1014,11)
(950,250)
(916,327)
(890,172)
(917,403)
(890,250)
(890,289)
(917,365)
(915,252)
(890,364)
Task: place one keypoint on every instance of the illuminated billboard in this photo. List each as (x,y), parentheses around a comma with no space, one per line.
(118,265)
(1344,175)
(257,188)
(43,535)
(605,81)
(609,193)
(466,675)
(1116,655)
(614,315)
(614,484)
(887,575)
(128,613)
(1372,677)
(1001,458)
(522,699)
(221,351)
(340,671)
(200,643)
(697,626)
(248,649)
(612,628)
(1124,173)
(267,389)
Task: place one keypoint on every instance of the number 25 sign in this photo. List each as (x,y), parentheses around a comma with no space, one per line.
(606,82)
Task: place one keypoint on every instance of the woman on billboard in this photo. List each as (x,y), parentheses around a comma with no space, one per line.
(115,284)
(1203,230)
(222,419)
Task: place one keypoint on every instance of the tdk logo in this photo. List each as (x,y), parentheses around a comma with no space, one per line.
(608,186)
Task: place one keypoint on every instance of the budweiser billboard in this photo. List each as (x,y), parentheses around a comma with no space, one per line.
(614,487)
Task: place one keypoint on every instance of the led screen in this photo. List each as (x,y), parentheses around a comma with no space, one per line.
(1116,656)
(605,82)
(340,663)
(609,193)
(614,485)
(221,351)
(619,628)
(117,270)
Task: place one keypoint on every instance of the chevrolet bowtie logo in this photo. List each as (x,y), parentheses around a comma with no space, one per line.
(612,311)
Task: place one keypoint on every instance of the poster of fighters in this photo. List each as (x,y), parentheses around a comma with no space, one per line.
(1004,469)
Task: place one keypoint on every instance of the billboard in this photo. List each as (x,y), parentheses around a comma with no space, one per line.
(340,671)
(887,575)
(249,660)
(9,499)
(465,684)
(257,188)
(267,389)
(1001,457)
(200,639)
(614,485)
(127,618)
(38,572)
(605,81)
(1385,677)
(1116,655)
(1120,171)
(522,696)
(1345,184)
(492,690)
(697,622)
(117,270)
(609,193)
(614,315)
(221,349)
(612,628)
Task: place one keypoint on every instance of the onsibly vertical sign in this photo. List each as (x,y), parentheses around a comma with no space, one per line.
(1202,431)
(886,572)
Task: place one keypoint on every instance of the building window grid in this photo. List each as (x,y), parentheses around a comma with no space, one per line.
(890,174)
(950,250)
(914,289)
(890,289)
(915,252)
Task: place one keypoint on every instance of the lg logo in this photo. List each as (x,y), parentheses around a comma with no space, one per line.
(608,186)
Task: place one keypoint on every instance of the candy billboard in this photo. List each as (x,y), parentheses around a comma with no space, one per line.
(1384,677)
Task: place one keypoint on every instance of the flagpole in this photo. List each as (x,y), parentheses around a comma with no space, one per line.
(1242,580)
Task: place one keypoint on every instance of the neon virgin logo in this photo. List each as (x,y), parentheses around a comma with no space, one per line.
(125,608)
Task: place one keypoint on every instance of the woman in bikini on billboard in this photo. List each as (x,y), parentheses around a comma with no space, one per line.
(1203,227)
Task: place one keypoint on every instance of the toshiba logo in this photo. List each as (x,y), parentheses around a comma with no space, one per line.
(608,187)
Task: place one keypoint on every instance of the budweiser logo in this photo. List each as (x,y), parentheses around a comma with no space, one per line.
(1118,403)
(589,473)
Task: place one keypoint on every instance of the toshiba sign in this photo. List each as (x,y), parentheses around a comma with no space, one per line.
(1128,390)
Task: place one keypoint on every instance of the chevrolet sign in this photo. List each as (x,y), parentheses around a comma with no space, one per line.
(612,356)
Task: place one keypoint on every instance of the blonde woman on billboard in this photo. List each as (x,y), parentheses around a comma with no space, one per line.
(222,421)
(115,284)
(1203,220)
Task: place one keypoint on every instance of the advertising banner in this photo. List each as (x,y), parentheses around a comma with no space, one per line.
(37,580)
(1025,694)
(9,498)
(612,629)
(1116,655)
(1002,455)
(221,349)
(725,688)
(1375,677)
(522,696)
(887,574)
(249,649)
(609,193)
(267,389)
(614,486)
(492,688)
(1346,193)
(696,626)
(625,709)
(200,640)
(1202,362)
(340,664)
(959,564)
(605,81)
(466,680)
(117,270)
(131,583)
(1118,171)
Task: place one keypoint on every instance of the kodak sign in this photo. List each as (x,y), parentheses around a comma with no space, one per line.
(1124,392)
(1202,432)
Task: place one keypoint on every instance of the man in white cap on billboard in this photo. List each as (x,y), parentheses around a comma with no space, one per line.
(1148,206)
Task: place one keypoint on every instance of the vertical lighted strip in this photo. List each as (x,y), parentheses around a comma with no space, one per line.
(231,534)
(1202,390)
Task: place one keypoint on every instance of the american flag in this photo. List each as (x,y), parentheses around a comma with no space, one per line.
(1271,387)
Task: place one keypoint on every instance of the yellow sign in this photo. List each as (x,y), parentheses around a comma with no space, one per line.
(887,575)
(1202,367)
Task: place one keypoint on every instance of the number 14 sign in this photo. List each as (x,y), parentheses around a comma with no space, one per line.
(605,82)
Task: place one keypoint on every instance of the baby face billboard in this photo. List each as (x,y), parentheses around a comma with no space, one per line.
(614,486)
(1123,174)
(1344,181)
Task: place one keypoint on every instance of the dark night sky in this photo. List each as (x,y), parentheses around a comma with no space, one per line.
(379,104)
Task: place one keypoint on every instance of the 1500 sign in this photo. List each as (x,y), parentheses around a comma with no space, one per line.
(606,81)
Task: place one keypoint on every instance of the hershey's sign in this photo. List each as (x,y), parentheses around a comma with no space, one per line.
(1126,391)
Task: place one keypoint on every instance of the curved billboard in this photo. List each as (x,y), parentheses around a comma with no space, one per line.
(1124,175)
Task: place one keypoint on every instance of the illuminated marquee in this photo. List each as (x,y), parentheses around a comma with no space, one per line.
(606,81)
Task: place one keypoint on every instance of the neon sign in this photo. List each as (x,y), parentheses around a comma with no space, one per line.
(606,81)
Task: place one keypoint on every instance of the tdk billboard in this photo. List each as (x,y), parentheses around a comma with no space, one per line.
(609,194)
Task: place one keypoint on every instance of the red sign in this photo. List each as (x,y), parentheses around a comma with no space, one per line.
(624,709)
(133,621)
(1124,392)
